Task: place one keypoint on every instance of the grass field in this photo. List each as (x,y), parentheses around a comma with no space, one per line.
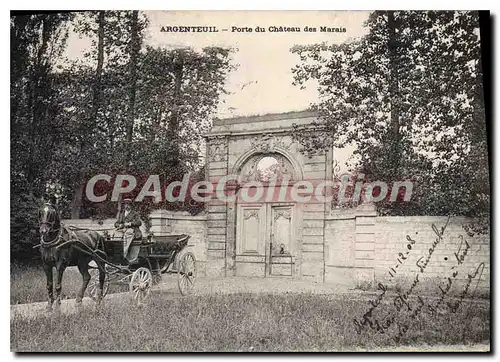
(238,322)
(233,322)
(28,284)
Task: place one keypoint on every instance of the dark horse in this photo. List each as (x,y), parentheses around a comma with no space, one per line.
(61,247)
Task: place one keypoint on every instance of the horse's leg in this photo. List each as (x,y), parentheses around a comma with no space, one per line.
(60,267)
(50,286)
(83,267)
(102,277)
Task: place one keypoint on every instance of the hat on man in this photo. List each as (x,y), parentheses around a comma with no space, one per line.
(126,201)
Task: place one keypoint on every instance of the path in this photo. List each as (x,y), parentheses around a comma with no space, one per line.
(204,286)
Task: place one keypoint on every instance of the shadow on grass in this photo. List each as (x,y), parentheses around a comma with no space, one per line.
(239,322)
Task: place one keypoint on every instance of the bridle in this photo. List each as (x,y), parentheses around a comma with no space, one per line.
(43,219)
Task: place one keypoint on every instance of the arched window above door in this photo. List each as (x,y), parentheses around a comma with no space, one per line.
(265,167)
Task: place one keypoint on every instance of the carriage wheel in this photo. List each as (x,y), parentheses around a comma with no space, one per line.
(93,286)
(186,276)
(140,284)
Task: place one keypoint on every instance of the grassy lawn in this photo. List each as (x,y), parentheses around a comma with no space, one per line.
(240,322)
(28,284)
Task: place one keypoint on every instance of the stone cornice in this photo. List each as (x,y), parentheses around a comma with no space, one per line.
(283,130)
(264,118)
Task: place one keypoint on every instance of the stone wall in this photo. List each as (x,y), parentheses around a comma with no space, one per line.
(363,249)
(396,235)
(167,222)
(350,245)
(359,248)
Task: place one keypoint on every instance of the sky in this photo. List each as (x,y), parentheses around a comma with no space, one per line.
(263,81)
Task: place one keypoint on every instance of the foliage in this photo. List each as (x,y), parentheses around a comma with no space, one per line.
(173,108)
(37,41)
(411,102)
(121,108)
(24,225)
(104,210)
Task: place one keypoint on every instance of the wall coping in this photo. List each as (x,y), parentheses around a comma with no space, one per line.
(363,210)
(397,219)
(157,214)
(423,218)
(243,133)
(177,215)
(265,117)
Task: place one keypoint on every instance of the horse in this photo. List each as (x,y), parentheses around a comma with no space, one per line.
(61,247)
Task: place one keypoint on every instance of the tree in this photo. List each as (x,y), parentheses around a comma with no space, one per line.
(134,47)
(177,97)
(179,93)
(37,41)
(117,38)
(91,122)
(408,95)
(121,108)
(168,108)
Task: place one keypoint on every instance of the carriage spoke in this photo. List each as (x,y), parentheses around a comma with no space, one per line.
(187,273)
(140,284)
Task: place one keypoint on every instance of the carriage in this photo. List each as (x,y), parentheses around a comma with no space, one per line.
(158,255)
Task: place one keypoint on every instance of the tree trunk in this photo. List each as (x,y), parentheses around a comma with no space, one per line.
(76,203)
(18,61)
(394,132)
(96,98)
(38,106)
(134,54)
(173,122)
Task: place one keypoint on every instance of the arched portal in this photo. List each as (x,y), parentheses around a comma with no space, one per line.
(260,231)
(265,215)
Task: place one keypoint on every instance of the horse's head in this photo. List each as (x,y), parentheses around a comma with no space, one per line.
(48,219)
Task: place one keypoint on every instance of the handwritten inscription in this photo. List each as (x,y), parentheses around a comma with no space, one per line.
(413,304)
(401,257)
(439,237)
(366,319)
(461,254)
(453,306)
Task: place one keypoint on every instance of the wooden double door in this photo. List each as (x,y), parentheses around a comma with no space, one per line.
(265,240)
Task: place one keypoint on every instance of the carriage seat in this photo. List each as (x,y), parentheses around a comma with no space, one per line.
(170,239)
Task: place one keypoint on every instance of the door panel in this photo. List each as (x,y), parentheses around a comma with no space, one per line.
(282,246)
(251,233)
(251,240)
(265,240)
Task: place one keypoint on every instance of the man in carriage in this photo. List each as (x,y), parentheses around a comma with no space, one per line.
(127,224)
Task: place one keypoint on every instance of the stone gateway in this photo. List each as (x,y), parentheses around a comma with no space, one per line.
(311,240)
(259,233)
(269,238)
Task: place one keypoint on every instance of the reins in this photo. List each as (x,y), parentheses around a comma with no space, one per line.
(53,241)
(71,227)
